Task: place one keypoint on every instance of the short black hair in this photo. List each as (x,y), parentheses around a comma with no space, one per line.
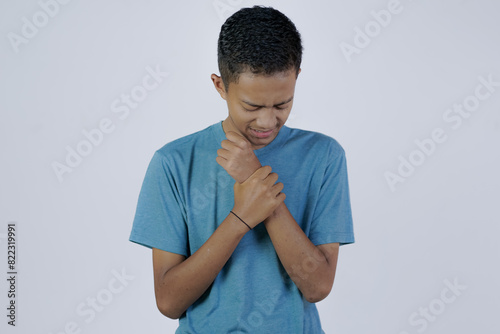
(261,40)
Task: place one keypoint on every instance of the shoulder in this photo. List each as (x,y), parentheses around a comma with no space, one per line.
(316,141)
(184,146)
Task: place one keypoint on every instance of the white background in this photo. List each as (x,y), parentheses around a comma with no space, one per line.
(440,224)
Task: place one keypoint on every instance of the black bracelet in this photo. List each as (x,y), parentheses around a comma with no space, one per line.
(241,220)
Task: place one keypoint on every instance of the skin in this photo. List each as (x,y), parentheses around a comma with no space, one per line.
(255,102)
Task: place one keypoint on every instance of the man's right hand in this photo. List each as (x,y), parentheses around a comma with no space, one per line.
(237,157)
(257,197)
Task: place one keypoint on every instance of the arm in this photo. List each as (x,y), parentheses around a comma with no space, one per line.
(180,281)
(311,267)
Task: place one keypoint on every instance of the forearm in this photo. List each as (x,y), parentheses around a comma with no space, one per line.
(304,262)
(184,283)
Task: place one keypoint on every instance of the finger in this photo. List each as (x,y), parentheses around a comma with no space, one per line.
(223,153)
(263,172)
(221,161)
(228,145)
(271,179)
(281,197)
(277,188)
(231,135)
(237,139)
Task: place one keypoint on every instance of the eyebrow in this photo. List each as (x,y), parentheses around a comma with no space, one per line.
(259,106)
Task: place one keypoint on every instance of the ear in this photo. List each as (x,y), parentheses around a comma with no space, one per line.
(219,85)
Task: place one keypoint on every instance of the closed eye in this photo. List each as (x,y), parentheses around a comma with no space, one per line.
(250,110)
(280,106)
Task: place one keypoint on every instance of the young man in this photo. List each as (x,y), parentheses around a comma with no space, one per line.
(230,253)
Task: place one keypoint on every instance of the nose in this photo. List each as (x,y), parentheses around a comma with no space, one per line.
(267,119)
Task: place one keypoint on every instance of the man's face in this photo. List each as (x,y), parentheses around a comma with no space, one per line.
(258,105)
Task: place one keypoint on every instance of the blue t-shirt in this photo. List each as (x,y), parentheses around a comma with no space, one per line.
(186,195)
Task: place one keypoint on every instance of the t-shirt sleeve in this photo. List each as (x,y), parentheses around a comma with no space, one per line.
(159,220)
(332,219)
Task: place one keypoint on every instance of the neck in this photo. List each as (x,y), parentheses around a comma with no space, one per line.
(227,126)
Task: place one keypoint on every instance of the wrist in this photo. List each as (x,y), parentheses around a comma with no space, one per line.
(239,225)
(277,213)
(241,220)
(280,210)
(251,169)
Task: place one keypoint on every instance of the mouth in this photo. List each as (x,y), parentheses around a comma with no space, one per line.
(261,133)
